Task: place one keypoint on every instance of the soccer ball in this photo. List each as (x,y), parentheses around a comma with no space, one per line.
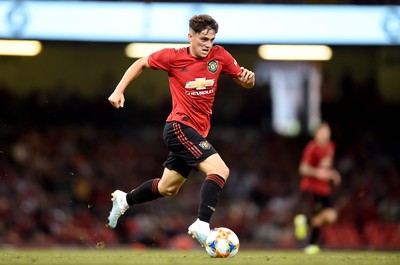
(222,242)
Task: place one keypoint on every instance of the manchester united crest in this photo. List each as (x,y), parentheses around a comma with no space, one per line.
(205,145)
(212,66)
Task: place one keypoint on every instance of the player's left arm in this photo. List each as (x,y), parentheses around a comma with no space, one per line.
(336,177)
(246,78)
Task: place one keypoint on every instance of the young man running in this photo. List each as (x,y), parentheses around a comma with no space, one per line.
(193,74)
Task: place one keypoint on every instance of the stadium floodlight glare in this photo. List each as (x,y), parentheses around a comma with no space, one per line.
(295,52)
(137,50)
(20,47)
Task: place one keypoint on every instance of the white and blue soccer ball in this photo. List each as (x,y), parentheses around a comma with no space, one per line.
(222,242)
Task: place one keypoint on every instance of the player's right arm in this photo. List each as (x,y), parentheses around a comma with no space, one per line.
(117,98)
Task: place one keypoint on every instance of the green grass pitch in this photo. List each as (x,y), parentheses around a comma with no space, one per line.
(193,257)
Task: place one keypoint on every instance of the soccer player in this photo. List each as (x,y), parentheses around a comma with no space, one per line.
(317,172)
(193,74)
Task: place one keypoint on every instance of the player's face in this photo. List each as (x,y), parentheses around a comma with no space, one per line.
(323,134)
(201,43)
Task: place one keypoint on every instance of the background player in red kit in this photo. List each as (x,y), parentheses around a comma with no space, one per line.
(193,74)
(316,169)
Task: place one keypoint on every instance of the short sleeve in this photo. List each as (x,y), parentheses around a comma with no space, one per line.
(161,59)
(231,68)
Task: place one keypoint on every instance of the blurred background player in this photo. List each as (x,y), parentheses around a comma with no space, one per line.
(318,175)
(193,74)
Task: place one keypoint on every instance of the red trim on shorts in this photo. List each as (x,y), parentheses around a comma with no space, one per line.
(216,179)
(185,141)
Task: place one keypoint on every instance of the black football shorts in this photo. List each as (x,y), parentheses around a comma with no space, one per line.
(316,203)
(187,148)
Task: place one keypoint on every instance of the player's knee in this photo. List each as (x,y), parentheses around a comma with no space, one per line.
(224,172)
(330,216)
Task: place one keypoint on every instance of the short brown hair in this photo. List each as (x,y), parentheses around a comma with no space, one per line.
(198,23)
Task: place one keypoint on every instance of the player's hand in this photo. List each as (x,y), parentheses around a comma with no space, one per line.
(329,174)
(323,173)
(336,178)
(117,99)
(246,77)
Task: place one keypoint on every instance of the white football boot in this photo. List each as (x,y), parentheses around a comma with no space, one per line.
(199,230)
(119,207)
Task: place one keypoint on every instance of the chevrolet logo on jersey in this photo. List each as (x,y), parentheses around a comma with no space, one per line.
(200,83)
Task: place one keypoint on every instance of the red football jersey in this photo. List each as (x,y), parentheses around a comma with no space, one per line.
(193,82)
(317,156)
